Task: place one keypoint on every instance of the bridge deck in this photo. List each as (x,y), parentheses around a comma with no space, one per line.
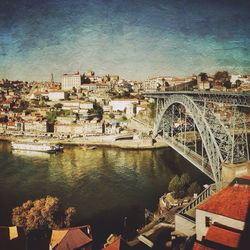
(233,98)
(191,156)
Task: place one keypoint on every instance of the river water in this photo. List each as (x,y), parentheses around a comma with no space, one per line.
(104,185)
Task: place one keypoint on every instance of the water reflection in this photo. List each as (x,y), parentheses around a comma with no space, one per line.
(104,185)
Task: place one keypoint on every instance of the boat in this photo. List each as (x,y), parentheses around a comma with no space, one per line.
(36,145)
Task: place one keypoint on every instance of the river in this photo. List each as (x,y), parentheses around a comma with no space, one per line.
(104,185)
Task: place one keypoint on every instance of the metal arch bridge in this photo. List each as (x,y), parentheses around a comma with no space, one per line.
(220,144)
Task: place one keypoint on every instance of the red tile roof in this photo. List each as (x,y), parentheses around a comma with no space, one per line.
(198,246)
(114,245)
(223,236)
(232,202)
(247,177)
(71,238)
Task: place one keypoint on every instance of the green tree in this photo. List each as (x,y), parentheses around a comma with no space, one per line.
(174,184)
(51,116)
(227,84)
(194,188)
(58,105)
(185,181)
(179,185)
(124,118)
(45,213)
(98,110)
(203,76)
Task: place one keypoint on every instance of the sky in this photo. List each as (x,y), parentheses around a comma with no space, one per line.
(132,38)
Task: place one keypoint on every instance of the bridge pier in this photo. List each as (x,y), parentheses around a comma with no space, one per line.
(232,170)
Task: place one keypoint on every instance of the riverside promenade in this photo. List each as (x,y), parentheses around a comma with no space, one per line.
(99,141)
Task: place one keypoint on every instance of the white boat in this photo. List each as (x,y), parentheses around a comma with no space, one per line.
(36,146)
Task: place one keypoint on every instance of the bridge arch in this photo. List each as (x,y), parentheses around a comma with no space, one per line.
(209,141)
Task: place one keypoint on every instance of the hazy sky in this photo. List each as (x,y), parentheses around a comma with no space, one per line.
(132,38)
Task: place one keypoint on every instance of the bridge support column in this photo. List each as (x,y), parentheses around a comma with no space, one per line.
(230,171)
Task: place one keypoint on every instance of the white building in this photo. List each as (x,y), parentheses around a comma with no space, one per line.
(35,126)
(89,86)
(122,104)
(244,80)
(106,108)
(57,95)
(221,219)
(79,128)
(76,106)
(70,81)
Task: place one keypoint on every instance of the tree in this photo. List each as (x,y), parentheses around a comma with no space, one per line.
(174,184)
(221,76)
(68,215)
(124,118)
(238,83)
(185,181)
(194,188)
(46,213)
(179,185)
(203,76)
(98,110)
(51,116)
(58,105)
(227,84)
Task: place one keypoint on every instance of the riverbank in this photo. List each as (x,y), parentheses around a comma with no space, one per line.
(143,144)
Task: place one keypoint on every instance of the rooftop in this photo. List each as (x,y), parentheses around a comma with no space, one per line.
(115,245)
(69,238)
(223,236)
(198,246)
(232,202)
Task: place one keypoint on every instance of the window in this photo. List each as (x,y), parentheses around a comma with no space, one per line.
(208,221)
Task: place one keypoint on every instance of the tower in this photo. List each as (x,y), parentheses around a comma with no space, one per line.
(51,78)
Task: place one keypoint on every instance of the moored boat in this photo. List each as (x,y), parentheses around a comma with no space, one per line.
(36,146)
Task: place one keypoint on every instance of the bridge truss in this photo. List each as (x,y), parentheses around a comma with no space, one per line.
(191,127)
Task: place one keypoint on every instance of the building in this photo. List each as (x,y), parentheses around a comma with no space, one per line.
(89,86)
(35,126)
(76,106)
(70,81)
(71,238)
(57,95)
(80,128)
(115,243)
(12,238)
(223,220)
(122,104)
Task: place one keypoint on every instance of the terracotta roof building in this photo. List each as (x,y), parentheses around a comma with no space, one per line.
(71,239)
(115,243)
(223,219)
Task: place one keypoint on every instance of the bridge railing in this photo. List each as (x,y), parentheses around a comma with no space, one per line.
(191,156)
(211,189)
